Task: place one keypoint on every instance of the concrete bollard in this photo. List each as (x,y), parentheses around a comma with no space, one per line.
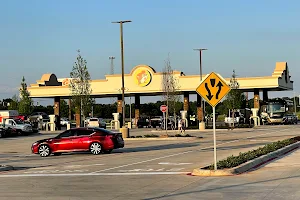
(125,132)
(201,126)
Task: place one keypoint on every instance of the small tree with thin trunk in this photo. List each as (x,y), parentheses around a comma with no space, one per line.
(80,87)
(25,104)
(14,104)
(235,97)
(170,88)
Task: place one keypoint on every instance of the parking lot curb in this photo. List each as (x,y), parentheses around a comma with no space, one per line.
(252,164)
(6,168)
(166,138)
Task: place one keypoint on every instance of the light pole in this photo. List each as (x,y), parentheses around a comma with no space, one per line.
(111,58)
(130,109)
(295,104)
(200,54)
(122,65)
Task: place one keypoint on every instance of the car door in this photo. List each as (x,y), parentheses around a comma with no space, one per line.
(64,142)
(82,139)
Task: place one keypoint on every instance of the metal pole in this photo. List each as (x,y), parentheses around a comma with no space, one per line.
(201,100)
(130,109)
(122,60)
(111,64)
(122,64)
(200,65)
(295,106)
(215,142)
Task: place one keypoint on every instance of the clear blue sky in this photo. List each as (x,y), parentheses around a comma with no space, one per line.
(40,37)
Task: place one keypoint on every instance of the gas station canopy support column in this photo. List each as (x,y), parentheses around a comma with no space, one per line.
(256,98)
(137,104)
(186,101)
(119,106)
(265,95)
(57,112)
(199,108)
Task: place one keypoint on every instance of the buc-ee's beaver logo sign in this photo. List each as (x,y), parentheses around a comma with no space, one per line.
(142,77)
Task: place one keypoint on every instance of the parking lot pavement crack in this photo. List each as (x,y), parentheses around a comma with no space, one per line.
(275,188)
(172,193)
(152,183)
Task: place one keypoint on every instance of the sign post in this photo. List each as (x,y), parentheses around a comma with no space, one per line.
(163,109)
(213,89)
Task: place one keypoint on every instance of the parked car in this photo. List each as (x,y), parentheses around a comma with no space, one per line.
(290,119)
(93,122)
(95,140)
(18,127)
(39,115)
(102,123)
(2,132)
(96,122)
(143,122)
(64,121)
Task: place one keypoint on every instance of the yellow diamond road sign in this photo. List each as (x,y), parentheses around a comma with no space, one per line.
(213,89)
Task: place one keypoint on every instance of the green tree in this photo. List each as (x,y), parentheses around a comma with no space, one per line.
(14,103)
(64,108)
(235,98)
(170,88)
(25,104)
(80,86)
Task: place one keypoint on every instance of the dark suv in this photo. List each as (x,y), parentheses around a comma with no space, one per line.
(290,119)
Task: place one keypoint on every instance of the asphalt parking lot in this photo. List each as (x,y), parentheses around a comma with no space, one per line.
(144,169)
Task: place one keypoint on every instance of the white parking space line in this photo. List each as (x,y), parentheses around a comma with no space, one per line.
(153,170)
(167,163)
(94,174)
(185,152)
(74,166)
(57,171)
(153,159)
(124,172)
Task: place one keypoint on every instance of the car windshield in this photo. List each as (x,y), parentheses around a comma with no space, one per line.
(19,122)
(275,108)
(93,120)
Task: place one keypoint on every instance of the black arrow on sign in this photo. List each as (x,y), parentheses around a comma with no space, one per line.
(213,82)
(219,85)
(209,96)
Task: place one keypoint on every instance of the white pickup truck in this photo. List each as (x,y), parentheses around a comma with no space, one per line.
(17,126)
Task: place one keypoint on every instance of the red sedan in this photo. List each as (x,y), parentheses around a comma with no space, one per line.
(95,140)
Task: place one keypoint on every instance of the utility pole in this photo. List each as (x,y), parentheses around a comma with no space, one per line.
(111,58)
(122,66)
(198,96)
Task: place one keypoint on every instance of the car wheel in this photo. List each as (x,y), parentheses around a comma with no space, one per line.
(44,150)
(57,154)
(95,148)
(19,133)
(107,151)
(1,134)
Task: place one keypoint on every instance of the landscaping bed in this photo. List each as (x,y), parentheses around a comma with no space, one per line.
(160,136)
(234,161)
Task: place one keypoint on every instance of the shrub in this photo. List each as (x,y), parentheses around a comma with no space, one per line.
(151,136)
(233,161)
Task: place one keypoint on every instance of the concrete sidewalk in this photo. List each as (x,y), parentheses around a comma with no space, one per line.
(277,180)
